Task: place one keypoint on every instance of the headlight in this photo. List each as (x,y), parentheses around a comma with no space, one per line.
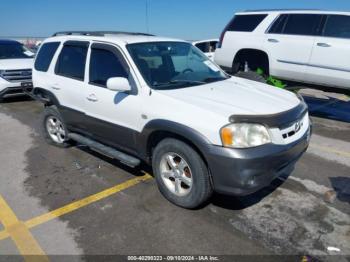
(242,135)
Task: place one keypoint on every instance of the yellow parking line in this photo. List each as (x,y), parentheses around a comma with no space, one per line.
(19,231)
(4,235)
(84,202)
(24,240)
(331,150)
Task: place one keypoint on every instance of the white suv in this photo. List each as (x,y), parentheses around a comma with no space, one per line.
(16,64)
(311,47)
(137,97)
(208,47)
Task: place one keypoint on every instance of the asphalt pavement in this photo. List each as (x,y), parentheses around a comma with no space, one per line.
(78,202)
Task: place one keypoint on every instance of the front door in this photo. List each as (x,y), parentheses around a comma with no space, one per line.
(113,116)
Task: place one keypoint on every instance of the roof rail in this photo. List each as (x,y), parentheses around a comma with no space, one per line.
(285,9)
(98,33)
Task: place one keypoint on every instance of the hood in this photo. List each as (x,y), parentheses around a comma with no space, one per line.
(236,96)
(14,64)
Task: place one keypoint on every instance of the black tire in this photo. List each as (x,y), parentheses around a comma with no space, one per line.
(251,76)
(201,188)
(2,99)
(50,112)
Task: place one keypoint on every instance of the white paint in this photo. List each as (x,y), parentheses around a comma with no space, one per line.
(333,249)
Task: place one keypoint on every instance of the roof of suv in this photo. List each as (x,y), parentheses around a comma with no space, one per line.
(293,11)
(115,37)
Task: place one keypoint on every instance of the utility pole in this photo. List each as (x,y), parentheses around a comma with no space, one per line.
(147,15)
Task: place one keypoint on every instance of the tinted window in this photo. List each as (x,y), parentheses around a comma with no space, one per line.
(43,59)
(337,26)
(302,24)
(278,25)
(212,46)
(13,50)
(103,65)
(71,62)
(245,23)
(203,47)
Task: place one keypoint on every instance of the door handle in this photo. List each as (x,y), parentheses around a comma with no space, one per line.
(92,98)
(271,40)
(55,87)
(323,45)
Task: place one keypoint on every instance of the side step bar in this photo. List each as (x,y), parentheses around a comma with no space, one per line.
(105,150)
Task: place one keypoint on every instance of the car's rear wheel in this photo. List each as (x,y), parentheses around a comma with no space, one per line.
(55,131)
(181,174)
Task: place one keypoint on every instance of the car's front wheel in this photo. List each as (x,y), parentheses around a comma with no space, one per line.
(181,174)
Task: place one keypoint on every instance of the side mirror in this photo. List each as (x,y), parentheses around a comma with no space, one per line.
(119,84)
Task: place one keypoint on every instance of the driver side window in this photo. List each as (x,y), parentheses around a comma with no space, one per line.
(105,64)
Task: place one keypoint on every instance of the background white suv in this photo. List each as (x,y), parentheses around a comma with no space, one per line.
(208,47)
(16,63)
(311,47)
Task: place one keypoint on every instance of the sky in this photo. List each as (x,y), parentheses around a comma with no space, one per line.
(186,19)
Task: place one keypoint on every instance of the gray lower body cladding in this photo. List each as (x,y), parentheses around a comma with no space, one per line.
(245,171)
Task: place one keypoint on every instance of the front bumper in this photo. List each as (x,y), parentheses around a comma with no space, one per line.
(245,171)
(13,89)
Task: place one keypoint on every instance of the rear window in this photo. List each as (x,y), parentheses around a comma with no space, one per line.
(246,23)
(45,55)
(337,26)
(71,62)
(297,24)
(278,25)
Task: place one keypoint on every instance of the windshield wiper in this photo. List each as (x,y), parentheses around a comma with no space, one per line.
(175,82)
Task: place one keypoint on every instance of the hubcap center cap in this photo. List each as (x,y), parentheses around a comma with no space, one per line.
(177,173)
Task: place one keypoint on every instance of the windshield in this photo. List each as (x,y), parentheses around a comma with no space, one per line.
(169,65)
(14,50)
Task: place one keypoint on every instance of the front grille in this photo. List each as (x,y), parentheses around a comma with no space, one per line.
(20,75)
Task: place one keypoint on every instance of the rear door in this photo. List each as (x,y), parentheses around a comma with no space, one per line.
(68,82)
(289,43)
(113,117)
(329,64)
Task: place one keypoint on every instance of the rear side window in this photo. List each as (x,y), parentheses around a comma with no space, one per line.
(278,25)
(45,55)
(302,24)
(337,26)
(71,61)
(246,23)
(104,64)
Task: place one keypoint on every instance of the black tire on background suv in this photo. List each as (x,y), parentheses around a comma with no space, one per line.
(54,129)
(181,174)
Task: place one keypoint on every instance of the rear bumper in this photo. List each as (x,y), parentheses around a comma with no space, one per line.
(245,171)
